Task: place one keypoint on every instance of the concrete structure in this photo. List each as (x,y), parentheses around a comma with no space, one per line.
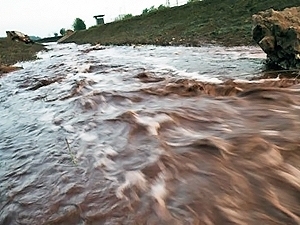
(99,19)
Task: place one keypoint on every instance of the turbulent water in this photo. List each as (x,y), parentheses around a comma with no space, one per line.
(148,135)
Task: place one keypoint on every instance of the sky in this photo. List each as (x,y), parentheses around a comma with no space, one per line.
(43,18)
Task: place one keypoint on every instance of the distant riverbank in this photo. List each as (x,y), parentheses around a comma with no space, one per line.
(220,22)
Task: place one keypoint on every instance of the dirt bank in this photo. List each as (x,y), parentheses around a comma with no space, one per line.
(12,52)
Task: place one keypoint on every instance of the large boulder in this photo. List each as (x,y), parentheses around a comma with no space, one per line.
(278,34)
(18,36)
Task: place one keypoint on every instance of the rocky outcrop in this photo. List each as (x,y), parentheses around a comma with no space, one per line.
(278,34)
(18,36)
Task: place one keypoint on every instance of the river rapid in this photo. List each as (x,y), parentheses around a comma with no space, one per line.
(149,135)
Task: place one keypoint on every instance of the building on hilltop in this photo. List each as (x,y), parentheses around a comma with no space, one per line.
(99,19)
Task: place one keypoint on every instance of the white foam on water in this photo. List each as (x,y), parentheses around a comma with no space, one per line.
(88,136)
(132,178)
(47,115)
(200,77)
(105,162)
(270,132)
(179,134)
(279,111)
(108,150)
(104,150)
(296,106)
(152,123)
(69,128)
(158,191)
(83,68)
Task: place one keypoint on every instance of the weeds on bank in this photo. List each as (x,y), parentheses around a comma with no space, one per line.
(73,158)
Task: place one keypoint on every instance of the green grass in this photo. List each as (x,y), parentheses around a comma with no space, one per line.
(12,52)
(225,22)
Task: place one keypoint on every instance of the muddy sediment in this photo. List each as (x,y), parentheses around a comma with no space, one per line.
(7,69)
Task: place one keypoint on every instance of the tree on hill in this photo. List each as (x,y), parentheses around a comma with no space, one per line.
(161,7)
(153,9)
(62,31)
(79,24)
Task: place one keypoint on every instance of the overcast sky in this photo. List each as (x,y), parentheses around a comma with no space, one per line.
(45,17)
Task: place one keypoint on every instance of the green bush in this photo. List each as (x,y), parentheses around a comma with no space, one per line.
(79,24)
(123,17)
(153,9)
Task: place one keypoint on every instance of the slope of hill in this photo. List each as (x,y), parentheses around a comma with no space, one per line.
(12,52)
(226,22)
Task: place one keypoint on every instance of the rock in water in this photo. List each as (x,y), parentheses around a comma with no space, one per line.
(278,34)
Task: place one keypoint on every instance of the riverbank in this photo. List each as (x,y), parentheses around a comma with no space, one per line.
(222,22)
(12,52)
(218,22)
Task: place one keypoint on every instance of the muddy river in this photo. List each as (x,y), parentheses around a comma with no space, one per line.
(149,135)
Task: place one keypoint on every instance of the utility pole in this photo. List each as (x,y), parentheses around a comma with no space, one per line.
(168,3)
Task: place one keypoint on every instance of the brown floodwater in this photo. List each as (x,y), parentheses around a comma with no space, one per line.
(149,135)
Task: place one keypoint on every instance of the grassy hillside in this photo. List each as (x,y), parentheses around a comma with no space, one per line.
(226,22)
(12,52)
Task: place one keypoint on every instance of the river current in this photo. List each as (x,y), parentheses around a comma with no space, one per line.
(149,135)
